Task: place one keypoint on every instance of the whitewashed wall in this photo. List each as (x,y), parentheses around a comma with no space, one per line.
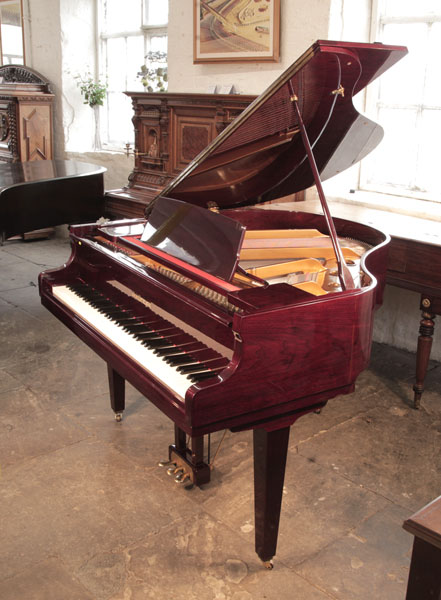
(301,24)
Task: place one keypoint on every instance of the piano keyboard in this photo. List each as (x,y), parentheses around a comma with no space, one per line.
(168,353)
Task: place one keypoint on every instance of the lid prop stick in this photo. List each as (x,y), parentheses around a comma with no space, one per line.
(344,274)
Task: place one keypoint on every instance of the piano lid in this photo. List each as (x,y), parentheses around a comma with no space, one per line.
(260,156)
(19,173)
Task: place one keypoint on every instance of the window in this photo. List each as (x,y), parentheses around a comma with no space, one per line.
(407,103)
(128,30)
(11,34)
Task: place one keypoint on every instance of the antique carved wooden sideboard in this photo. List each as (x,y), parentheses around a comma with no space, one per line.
(170,130)
(26,104)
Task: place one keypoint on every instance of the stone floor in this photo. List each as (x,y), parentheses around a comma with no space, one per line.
(86,513)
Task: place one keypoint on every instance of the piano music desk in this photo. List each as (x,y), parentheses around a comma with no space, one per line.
(414,263)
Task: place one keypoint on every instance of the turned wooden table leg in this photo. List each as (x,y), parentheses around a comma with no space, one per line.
(427,326)
(270,450)
(117,392)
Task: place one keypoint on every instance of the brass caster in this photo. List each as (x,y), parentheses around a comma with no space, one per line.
(118,417)
(268,565)
(164,463)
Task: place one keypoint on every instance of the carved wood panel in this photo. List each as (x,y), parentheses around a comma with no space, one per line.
(191,136)
(25,115)
(35,138)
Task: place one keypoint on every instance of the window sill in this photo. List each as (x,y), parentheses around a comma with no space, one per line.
(412,207)
(411,220)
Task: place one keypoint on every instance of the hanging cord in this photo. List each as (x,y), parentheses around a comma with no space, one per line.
(211,464)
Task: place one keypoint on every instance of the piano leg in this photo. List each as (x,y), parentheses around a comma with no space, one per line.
(117,392)
(189,460)
(270,450)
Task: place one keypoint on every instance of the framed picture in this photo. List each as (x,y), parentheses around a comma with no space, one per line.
(236,30)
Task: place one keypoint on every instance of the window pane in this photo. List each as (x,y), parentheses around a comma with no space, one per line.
(158,43)
(394,160)
(155,12)
(432,92)
(120,127)
(410,8)
(135,59)
(404,83)
(429,164)
(116,63)
(122,16)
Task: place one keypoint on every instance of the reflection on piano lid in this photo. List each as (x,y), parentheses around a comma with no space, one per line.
(250,318)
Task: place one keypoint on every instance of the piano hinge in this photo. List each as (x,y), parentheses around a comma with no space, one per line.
(340,91)
(237,336)
(212,206)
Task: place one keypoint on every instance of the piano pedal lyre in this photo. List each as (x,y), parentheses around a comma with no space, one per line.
(186,460)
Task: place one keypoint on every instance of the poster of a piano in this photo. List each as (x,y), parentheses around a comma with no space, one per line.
(230,316)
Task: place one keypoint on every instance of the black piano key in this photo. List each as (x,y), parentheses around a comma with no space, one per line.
(148,334)
(118,314)
(199,368)
(121,318)
(181,360)
(136,326)
(201,376)
(204,364)
(178,349)
(159,343)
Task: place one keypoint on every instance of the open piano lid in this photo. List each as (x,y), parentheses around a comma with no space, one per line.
(260,156)
(263,155)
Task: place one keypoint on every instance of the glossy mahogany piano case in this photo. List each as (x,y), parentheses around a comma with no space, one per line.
(230,316)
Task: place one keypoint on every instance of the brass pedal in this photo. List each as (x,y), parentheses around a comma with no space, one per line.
(182,477)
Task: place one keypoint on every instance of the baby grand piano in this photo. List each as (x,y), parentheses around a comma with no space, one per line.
(231,317)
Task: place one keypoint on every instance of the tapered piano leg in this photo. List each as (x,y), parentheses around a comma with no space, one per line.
(270,450)
(189,459)
(117,392)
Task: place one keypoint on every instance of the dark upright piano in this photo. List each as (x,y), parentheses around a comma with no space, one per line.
(231,317)
(45,193)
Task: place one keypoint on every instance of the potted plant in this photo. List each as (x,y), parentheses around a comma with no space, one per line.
(153,73)
(94,93)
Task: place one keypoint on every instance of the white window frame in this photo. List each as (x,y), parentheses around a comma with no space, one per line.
(145,31)
(373,104)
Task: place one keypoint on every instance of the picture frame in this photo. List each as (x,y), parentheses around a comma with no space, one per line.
(232,31)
